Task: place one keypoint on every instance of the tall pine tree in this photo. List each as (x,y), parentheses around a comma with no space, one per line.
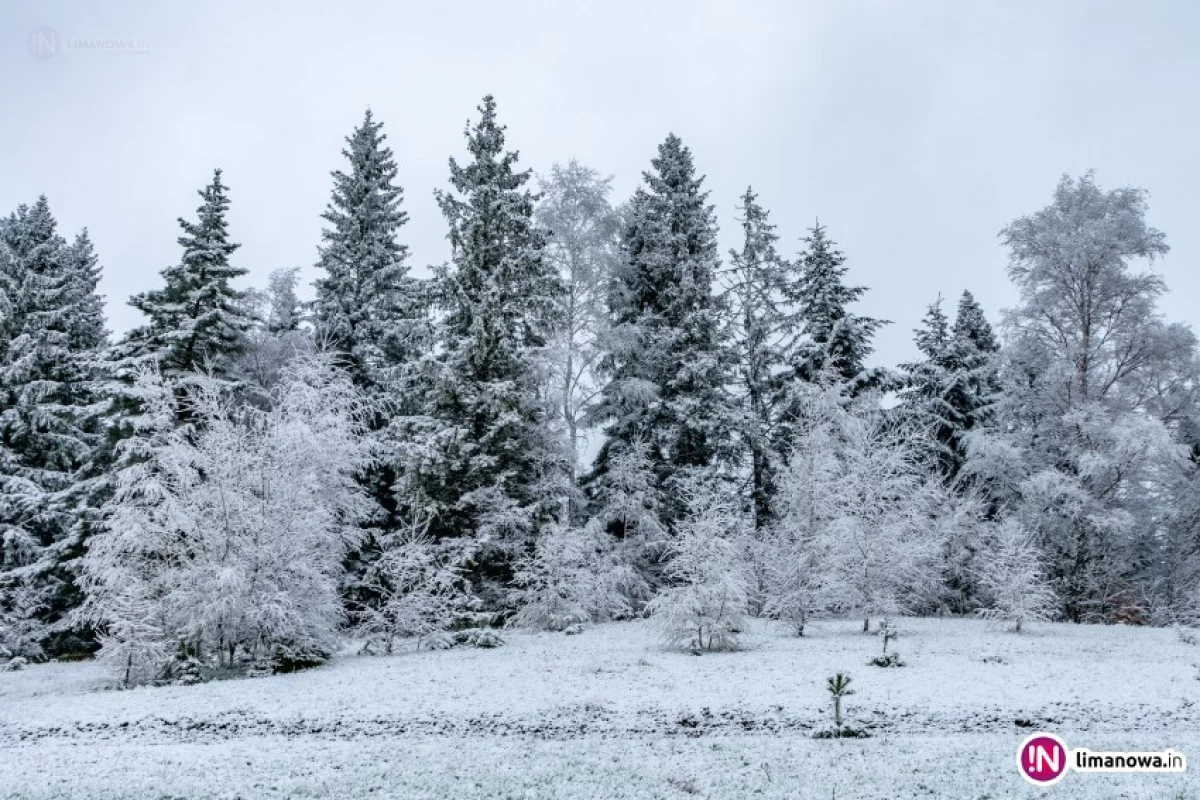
(497,459)
(829,344)
(666,367)
(50,330)
(759,323)
(367,307)
(196,320)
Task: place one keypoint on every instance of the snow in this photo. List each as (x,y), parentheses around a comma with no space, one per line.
(610,713)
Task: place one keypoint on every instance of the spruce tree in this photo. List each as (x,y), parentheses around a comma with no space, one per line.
(932,393)
(666,368)
(87,331)
(971,325)
(759,322)
(49,334)
(951,390)
(497,459)
(367,307)
(373,314)
(196,321)
(836,341)
(827,343)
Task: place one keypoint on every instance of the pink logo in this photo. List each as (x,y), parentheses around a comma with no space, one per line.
(1042,759)
(43,42)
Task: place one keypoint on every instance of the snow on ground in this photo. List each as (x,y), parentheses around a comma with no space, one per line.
(609,713)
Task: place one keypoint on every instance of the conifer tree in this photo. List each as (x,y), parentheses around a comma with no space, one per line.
(497,459)
(826,343)
(368,308)
(760,323)
(976,349)
(835,339)
(666,369)
(950,392)
(49,332)
(196,320)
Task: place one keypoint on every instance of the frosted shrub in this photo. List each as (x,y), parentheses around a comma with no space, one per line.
(572,577)
(419,588)
(1011,577)
(703,606)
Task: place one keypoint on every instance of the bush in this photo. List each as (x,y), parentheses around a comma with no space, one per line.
(287,659)
(890,660)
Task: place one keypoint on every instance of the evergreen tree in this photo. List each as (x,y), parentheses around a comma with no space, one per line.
(367,307)
(49,334)
(835,340)
(196,321)
(971,325)
(932,387)
(952,390)
(760,323)
(87,331)
(499,469)
(665,367)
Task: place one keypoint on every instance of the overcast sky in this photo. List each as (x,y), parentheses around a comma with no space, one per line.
(914,130)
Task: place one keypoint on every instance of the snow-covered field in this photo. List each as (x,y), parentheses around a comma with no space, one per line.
(609,713)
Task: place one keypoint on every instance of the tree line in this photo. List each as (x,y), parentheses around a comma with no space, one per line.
(246,477)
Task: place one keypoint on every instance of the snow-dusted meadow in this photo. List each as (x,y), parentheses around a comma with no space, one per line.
(611,713)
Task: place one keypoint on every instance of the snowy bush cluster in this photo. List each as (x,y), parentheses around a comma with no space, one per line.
(248,477)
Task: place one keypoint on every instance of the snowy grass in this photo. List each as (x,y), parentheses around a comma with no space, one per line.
(609,713)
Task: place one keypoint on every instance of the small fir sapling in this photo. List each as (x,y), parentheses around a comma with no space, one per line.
(838,687)
(887,631)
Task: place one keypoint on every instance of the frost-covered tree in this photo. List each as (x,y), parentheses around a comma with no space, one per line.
(284,310)
(873,513)
(51,328)
(87,332)
(760,327)
(228,533)
(703,605)
(196,320)
(134,644)
(952,389)
(826,342)
(834,338)
(665,366)
(1012,578)
(583,244)
(368,308)
(499,468)
(573,576)
(1084,456)
(415,587)
(276,336)
(794,548)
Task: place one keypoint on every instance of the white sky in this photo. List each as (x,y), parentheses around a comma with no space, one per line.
(915,130)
